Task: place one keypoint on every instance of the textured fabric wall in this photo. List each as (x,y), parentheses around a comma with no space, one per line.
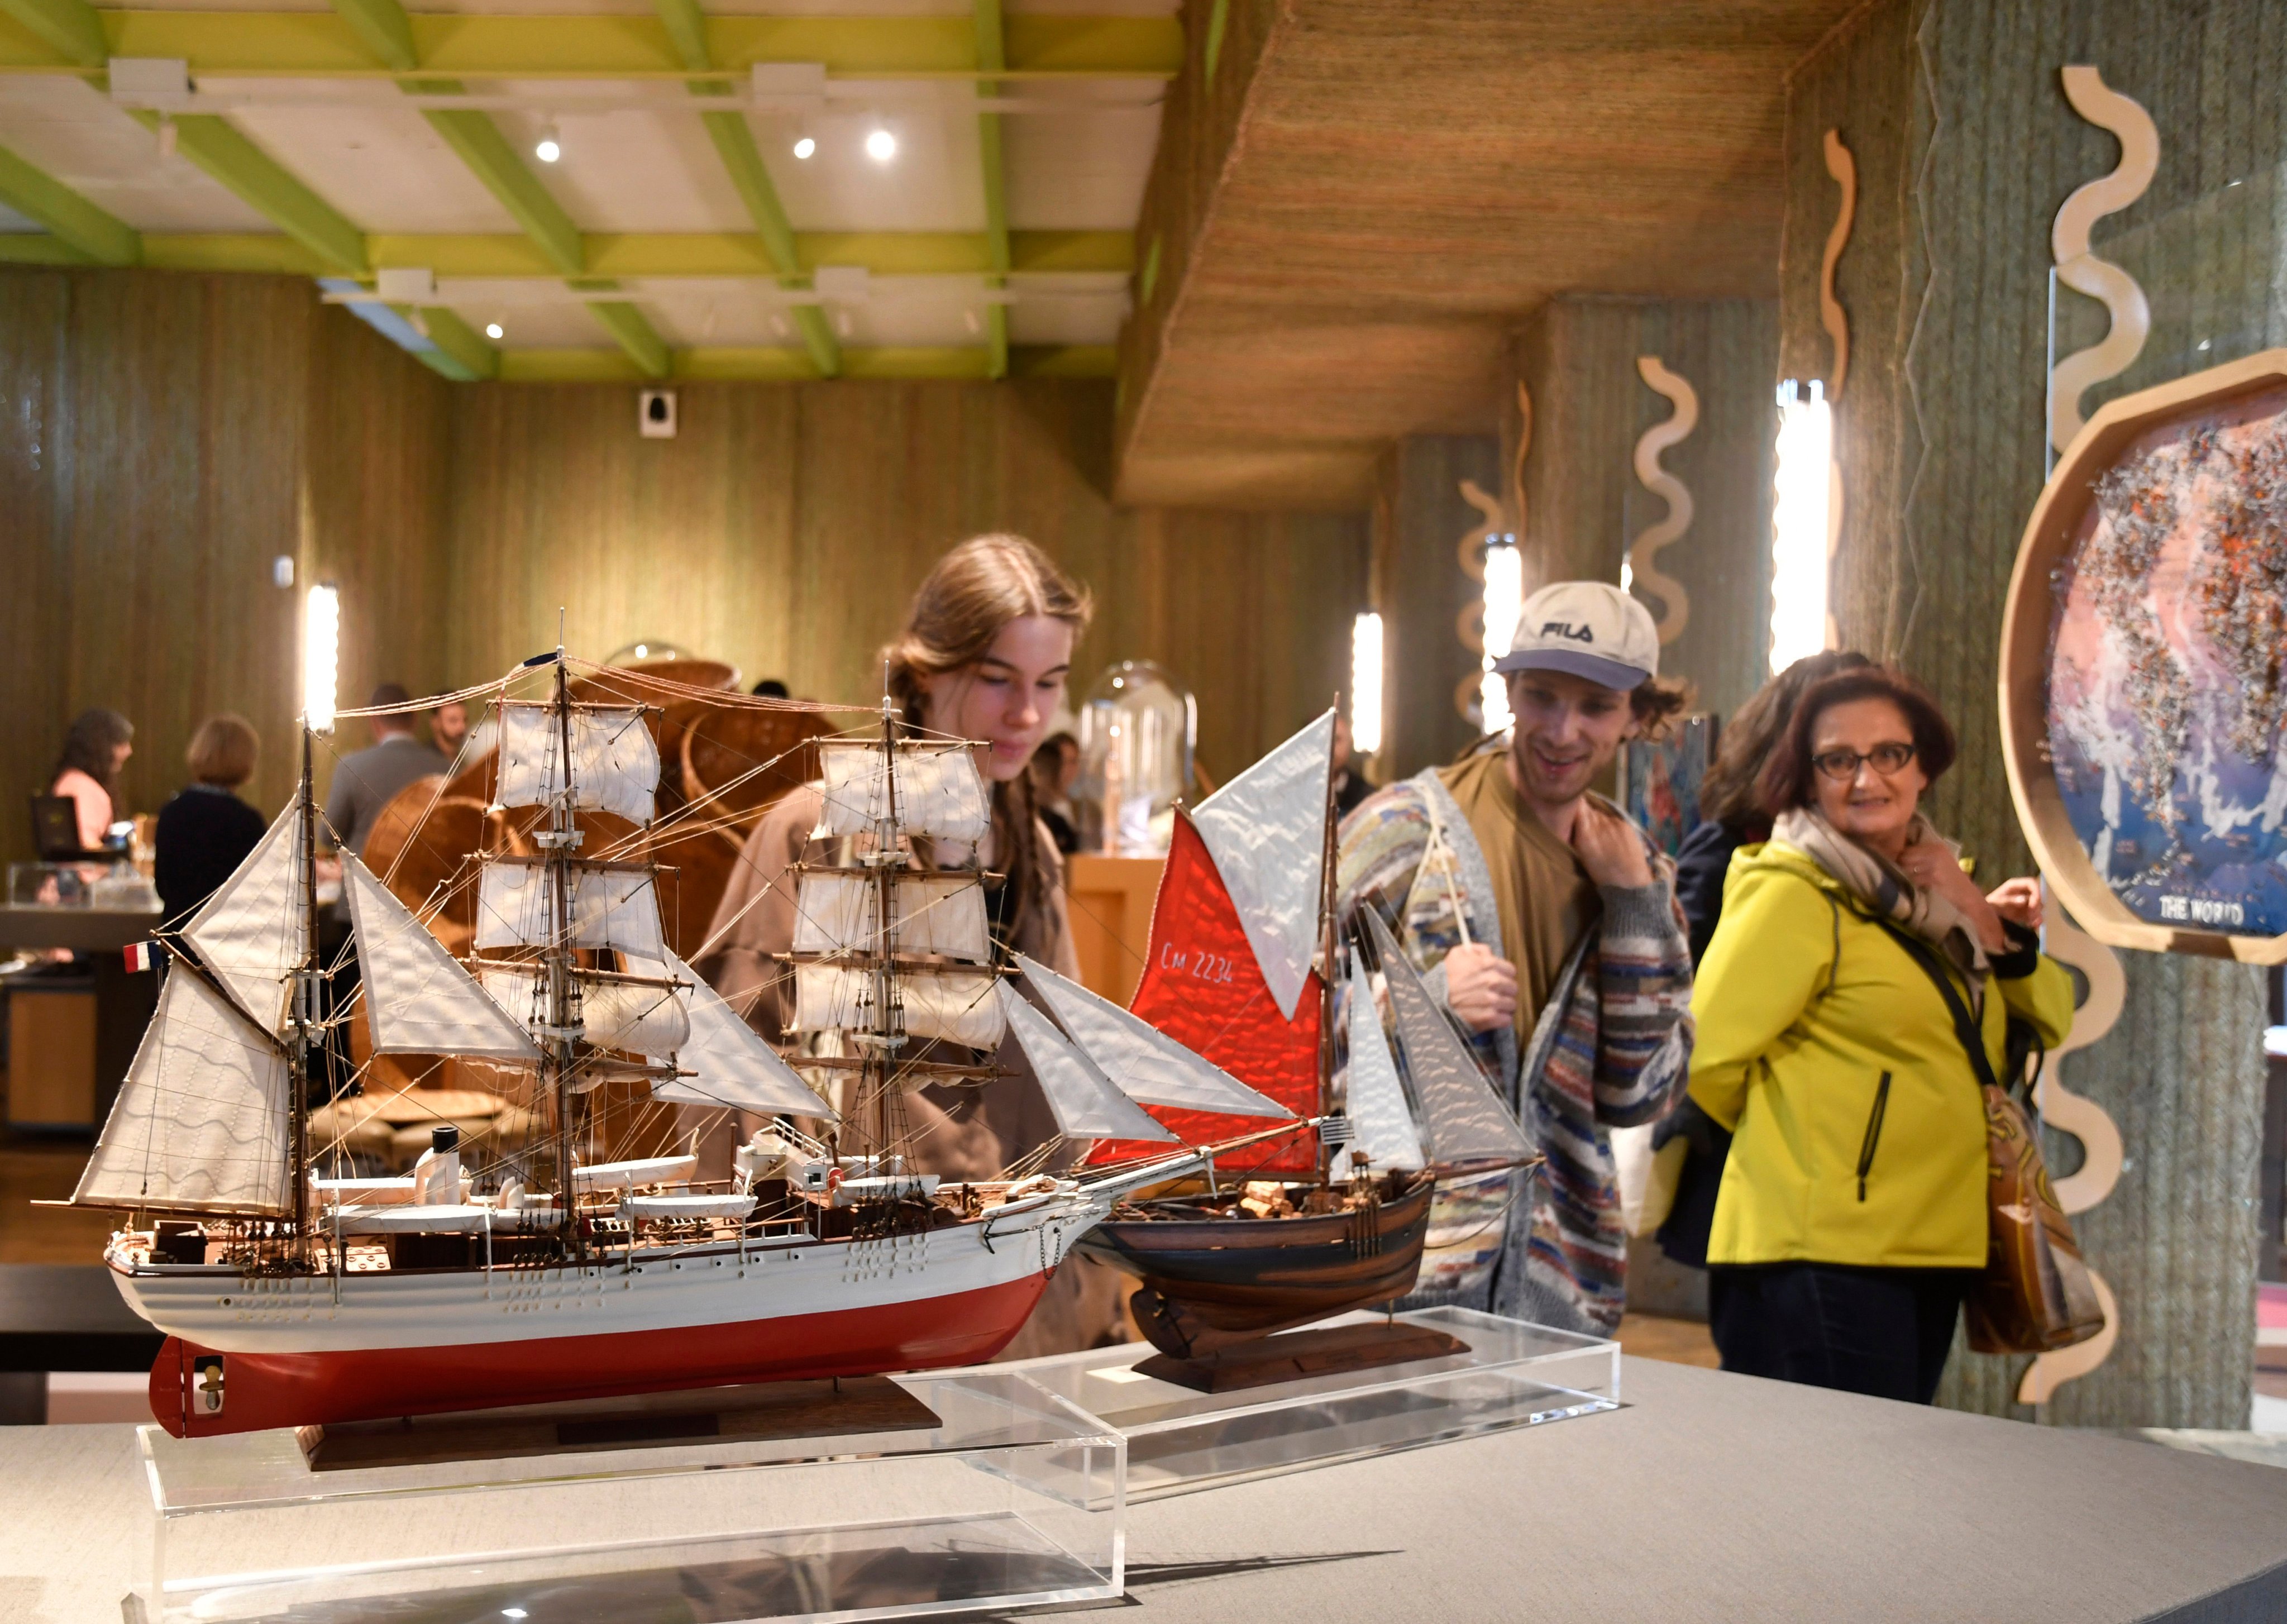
(165,436)
(786,526)
(1583,501)
(1425,596)
(1965,146)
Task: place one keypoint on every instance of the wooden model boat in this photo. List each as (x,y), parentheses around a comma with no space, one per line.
(298,1288)
(1249,884)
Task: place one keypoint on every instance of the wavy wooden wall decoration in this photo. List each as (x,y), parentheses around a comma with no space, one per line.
(1497,515)
(2082,271)
(2091,1124)
(1831,314)
(1676,603)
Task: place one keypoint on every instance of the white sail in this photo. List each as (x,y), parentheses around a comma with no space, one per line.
(614,760)
(417,998)
(610,907)
(613,1014)
(1462,1119)
(1266,831)
(938,790)
(1141,1061)
(201,1122)
(1381,1120)
(254,932)
(954,1006)
(729,1065)
(939,912)
(1086,1104)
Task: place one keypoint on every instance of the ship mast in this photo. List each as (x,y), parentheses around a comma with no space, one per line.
(558,842)
(308,1031)
(1326,974)
(885,894)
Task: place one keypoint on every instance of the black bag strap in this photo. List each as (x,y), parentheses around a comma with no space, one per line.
(1964,1024)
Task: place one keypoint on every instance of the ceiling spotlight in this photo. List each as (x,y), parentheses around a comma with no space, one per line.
(549,146)
(881,146)
(804,148)
(492,330)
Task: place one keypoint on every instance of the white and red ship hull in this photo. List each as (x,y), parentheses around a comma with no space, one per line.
(245,1353)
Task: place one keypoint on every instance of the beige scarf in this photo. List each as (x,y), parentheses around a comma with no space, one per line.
(1878,884)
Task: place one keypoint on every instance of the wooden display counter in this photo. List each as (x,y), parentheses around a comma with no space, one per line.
(1111,903)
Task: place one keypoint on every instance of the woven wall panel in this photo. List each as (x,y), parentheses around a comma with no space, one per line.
(1966,148)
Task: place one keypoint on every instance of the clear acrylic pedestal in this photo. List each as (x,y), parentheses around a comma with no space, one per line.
(1513,1375)
(1015,1499)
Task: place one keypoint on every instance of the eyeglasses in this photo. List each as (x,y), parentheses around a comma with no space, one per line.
(1842,766)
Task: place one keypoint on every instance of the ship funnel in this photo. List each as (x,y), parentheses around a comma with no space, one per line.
(445,1137)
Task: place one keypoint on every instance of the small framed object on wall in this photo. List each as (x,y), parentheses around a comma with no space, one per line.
(1660,780)
(2144,668)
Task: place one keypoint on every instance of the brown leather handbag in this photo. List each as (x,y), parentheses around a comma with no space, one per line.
(2036,1296)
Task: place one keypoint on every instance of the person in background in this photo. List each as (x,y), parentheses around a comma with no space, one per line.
(448,728)
(1054,765)
(368,780)
(1731,795)
(984,654)
(1350,786)
(1851,1221)
(1527,900)
(97,745)
(771,687)
(206,831)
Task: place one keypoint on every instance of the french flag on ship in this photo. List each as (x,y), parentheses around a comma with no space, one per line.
(141,956)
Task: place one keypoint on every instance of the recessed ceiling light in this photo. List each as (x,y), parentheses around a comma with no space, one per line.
(549,146)
(804,148)
(881,146)
(492,330)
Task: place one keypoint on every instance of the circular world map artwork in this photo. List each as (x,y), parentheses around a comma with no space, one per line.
(2167,672)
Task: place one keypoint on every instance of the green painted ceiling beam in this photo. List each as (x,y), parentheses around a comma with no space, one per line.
(386,32)
(69,28)
(492,161)
(992,57)
(469,349)
(38,248)
(734,143)
(789,365)
(208,142)
(38,195)
(382,29)
(636,335)
(669,254)
(70,33)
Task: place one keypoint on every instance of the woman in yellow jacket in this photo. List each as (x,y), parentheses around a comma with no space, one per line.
(1850,1221)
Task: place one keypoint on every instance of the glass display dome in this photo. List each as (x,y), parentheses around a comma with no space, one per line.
(1138,727)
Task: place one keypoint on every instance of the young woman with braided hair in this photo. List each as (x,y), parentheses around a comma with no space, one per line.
(983,655)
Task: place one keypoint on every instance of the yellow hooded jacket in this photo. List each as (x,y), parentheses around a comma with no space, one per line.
(1828,1053)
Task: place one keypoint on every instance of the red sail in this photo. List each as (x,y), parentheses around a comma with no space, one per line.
(1203,988)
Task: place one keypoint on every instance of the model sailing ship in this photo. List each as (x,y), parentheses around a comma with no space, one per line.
(1243,958)
(295,1293)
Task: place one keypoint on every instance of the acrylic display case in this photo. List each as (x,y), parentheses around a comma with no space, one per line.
(1513,1375)
(1015,1499)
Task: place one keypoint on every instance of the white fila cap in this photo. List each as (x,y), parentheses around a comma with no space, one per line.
(1589,627)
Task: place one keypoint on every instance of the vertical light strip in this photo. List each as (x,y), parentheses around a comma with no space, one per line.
(1365,684)
(1799,524)
(1504,602)
(321,656)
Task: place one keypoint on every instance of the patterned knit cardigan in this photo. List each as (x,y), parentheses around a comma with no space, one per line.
(1611,1050)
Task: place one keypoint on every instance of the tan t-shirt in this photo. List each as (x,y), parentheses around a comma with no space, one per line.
(1543,895)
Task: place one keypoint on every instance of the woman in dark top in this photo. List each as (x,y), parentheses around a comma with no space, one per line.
(206,831)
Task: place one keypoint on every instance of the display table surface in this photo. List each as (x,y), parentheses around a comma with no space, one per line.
(1711,1497)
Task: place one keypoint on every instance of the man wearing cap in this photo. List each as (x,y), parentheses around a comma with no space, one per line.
(1548,924)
